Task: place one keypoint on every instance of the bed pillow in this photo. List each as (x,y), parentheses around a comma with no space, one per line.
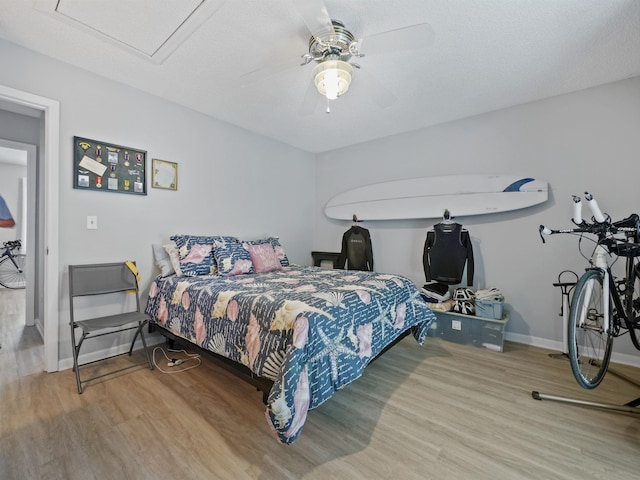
(263,257)
(163,261)
(174,257)
(282,256)
(196,254)
(231,256)
(277,247)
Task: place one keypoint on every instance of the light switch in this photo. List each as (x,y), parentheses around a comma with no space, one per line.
(92,222)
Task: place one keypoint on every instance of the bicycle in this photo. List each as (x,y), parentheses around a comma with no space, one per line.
(603,307)
(13,266)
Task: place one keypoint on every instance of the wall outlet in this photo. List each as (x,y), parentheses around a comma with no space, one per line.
(456,325)
(92,222)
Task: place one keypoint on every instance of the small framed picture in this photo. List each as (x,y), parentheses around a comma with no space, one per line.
(164,174)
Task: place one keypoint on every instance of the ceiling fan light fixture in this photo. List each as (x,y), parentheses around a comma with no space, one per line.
(332,78)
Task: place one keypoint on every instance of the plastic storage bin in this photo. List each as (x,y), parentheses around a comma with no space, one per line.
(489,309)
(481,332)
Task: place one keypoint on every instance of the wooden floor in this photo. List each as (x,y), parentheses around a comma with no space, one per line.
(442,411)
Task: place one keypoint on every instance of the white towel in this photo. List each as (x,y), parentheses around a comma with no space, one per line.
(493,294)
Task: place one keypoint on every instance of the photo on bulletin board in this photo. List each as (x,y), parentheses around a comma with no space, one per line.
(164,174)
(108,167)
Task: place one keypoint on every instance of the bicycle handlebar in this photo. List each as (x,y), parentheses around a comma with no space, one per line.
(595,209)
(12,244)
(602,224)
(577,210)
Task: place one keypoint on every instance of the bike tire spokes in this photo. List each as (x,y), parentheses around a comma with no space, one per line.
(13,272)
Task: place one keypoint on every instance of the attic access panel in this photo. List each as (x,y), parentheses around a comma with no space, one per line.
(152,29)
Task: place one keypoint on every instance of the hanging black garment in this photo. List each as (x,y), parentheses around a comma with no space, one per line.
(357,252)
(446,250)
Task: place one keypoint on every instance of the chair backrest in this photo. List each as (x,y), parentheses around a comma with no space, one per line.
(100,278)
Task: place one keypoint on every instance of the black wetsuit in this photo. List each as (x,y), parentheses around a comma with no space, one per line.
(357,252)
(446,250)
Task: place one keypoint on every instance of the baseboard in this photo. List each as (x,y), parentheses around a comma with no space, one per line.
(67,363)
(533,341)
(623,358)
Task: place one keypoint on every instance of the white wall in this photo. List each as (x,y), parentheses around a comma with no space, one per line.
(584,141)
(231,182)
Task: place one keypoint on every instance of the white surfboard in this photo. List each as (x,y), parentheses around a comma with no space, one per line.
(428,197)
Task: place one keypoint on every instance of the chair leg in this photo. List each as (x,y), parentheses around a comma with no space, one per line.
(144,343)
(146,350)
(76,350)
(138,332)
(134,339)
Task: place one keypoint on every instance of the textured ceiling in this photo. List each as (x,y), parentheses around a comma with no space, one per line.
(486,55)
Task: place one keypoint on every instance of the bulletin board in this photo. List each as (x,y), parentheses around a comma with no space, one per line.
(108,167)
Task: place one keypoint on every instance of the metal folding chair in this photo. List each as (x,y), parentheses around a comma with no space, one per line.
(104,279)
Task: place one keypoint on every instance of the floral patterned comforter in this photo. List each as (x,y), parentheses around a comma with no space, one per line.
(311,330)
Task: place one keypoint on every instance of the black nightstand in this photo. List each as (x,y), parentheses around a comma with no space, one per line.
(319,257)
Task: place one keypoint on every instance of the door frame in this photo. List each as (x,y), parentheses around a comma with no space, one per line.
(47,256)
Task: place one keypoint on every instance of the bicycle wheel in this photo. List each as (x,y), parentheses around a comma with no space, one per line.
(589,345)
(12,277)
(633,309)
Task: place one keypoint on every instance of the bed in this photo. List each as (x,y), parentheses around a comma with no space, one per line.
(306,331)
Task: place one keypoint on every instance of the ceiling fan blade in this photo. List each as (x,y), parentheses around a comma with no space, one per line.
(380,95)
(315,15)
(283,58)
(269,69)
(413,37)
(310,100)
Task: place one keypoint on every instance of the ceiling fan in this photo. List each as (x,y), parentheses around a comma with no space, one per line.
(333,47)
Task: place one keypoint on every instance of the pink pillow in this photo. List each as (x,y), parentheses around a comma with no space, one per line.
(264,258)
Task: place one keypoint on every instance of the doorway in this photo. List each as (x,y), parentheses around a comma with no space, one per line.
(18,163)
(45,244)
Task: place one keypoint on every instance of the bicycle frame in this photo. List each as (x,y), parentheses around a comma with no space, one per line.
(622,308)
(10,256)
(600,261)
(622,300)
(8,248)
(610,291)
